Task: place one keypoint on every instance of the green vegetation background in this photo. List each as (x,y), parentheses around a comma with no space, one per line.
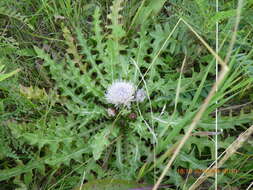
(55,132)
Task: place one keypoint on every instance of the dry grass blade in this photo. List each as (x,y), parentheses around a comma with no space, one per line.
(248,188)
(217,57)
(228,153)
(150,103)
(179,85)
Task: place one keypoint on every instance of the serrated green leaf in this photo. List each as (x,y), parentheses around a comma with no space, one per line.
(4,76)
(99,143)
(110,184)
(220,16)
(8,173)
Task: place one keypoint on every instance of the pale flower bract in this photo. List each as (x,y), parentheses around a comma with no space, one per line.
(120,93)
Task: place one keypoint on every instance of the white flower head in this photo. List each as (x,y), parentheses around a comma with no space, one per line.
(120,93)
(140,95)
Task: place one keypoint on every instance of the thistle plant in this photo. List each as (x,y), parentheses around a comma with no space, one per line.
(79,134)
(85,77)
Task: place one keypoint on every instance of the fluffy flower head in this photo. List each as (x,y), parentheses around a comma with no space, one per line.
(140,95)
(120,93)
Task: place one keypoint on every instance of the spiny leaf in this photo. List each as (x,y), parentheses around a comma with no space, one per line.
(117,27)
(33,92)
(98,35)
(110,184)
(16,171)
(12,14)
(71,46)
(65,156)
(202,4)
(147,10)
(4,76)
(220,16)
(99,143)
